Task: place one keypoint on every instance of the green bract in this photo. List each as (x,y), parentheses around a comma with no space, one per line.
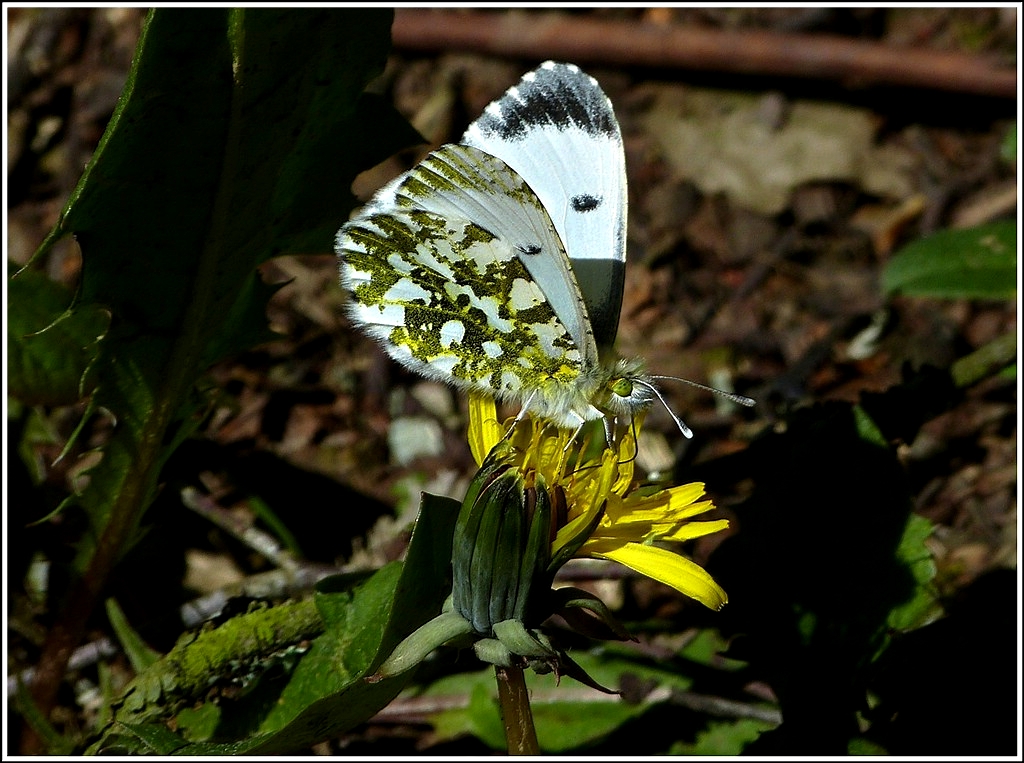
(501,547)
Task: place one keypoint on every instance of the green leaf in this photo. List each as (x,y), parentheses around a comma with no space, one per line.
(483,717)
(49,347)
(864,746)
(342,656)
(723,738)
(212,654)
(198,724)
(263,511)
(326,694)
(139,654)
(976,263)
(917,558)
(995,358)
(146,739)
(867,428)
(707,648)
(562,723)
(1008,149)
(235,139)
(564,726)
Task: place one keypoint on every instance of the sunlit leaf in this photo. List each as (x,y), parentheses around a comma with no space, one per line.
(326,694)
(913,552)
(975,263)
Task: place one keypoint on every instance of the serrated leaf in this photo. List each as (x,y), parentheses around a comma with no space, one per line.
(723,738)
(47,352)
(235,139)
(141,739)
(326,694)
(975,263)
(231,125)
(211,655)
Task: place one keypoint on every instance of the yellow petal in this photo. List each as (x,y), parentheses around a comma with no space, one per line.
(685,576)
(682,495)
(484,429)
(588,495)
(692,530)
(683,503)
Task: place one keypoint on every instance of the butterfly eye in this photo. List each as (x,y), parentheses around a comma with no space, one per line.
(622,387)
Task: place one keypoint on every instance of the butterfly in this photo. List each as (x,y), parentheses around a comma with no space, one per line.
(497,264)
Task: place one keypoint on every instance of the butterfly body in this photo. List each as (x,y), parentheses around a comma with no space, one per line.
(464,267)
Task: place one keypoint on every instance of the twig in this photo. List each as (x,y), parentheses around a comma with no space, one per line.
(261,542)
(725,708)
(274,584)
(588,40)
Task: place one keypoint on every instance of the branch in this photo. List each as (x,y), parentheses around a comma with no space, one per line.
(627,43)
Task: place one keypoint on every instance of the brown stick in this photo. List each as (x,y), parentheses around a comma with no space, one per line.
(586,40)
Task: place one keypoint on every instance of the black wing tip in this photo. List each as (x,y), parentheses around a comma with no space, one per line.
(555,93)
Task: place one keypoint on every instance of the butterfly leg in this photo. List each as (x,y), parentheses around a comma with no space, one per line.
(610,426)
(575,434)
(520,416)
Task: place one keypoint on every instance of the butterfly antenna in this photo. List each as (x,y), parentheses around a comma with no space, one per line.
(687,432)
(740,399)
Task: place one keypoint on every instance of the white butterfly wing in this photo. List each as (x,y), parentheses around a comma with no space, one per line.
(557,129)
(465,182)
(445,266)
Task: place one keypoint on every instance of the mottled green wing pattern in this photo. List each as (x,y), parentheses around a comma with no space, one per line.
(448,297)
(464,182)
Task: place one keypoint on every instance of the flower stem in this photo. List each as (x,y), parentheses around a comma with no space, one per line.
(514,703)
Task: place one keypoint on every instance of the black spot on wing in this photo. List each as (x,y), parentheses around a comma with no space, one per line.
(528,248)
(585,202)
(561,95)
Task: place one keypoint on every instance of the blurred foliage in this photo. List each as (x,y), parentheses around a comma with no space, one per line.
(975,263)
